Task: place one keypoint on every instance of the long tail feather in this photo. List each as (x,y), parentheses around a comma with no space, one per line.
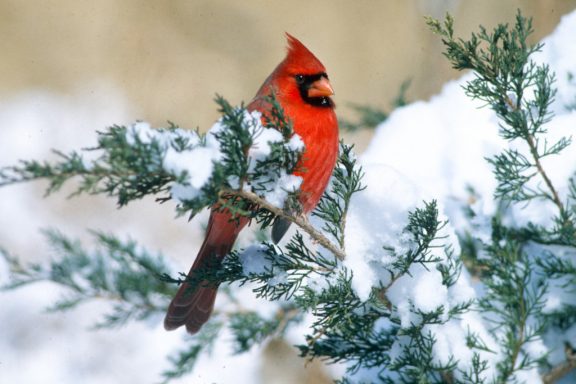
(194,301)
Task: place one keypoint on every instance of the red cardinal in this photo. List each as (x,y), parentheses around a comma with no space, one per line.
(301,86)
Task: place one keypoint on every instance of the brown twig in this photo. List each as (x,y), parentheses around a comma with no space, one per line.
(534,152)
(561,370)
(300,221)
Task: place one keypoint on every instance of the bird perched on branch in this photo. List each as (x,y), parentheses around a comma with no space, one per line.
(300,85)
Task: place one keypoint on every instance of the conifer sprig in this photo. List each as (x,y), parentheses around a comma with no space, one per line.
(517,273)
(520,92)
(395,340)
(125,170)
(333,207)
(119,272)
(362,332)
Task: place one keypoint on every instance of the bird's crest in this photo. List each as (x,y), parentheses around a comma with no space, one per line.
(300,59)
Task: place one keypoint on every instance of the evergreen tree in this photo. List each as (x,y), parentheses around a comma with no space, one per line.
(379,336)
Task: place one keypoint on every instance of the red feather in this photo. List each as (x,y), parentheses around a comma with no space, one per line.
(317,127)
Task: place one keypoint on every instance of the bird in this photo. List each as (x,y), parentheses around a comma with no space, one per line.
(301,86)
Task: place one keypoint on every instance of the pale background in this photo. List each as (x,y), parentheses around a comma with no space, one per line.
(170,58)
(70,67)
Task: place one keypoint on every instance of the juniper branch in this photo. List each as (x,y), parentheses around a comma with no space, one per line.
(300,220)
(504,71)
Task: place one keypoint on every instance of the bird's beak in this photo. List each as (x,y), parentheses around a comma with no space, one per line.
(320,88)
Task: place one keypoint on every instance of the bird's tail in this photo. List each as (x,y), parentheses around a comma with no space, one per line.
(194,301)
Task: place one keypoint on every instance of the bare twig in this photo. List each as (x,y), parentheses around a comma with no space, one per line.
(554,194)
(298,220)
(561,370)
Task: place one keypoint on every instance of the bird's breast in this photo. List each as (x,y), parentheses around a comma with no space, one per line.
(319,133)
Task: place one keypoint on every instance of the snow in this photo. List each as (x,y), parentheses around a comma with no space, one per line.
(276,189)
(261,149)
(285,184)
(196,160)
(254,260)
(374,222)
(140,131)
(438,148)
(427,150)
(295,143)
(198,166)
(40,347)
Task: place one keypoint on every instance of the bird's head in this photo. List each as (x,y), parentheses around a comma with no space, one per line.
(301,77)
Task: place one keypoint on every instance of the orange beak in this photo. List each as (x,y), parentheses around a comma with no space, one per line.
(320,88)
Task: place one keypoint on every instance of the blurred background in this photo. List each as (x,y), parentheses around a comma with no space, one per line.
(71,67)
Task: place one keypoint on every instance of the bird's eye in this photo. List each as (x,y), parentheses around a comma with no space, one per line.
(300,79)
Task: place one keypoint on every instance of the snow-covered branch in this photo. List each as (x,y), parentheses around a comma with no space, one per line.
(422,264)
(301,221)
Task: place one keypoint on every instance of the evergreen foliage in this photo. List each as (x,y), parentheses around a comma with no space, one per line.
(120,272)
(518,266)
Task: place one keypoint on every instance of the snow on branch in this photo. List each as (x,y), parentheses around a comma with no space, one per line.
(239,164)
(403,278)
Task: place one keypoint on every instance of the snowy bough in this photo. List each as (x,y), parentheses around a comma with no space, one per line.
(394,283)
